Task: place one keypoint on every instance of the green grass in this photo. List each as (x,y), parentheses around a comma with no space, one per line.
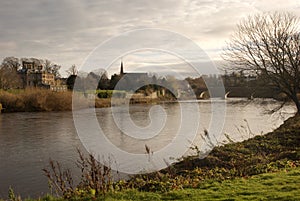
(283,185)
(270,186)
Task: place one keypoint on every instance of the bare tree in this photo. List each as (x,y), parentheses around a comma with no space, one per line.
(269,45)
(47,65)
(55,70)
(52,68)
(72,70)
(11,62)
(9,77)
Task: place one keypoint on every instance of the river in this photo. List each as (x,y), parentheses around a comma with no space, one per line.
(28,140)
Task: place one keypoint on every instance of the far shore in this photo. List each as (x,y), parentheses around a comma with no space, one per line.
(41,100)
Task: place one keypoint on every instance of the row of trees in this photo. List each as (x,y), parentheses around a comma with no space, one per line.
(100,80)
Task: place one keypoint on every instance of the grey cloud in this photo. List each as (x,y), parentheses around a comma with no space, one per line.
(65,31)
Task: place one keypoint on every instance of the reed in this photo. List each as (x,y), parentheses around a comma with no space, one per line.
(36,100)
(95,179)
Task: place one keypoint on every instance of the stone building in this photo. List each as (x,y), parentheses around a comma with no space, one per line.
(34,75)
(129,81)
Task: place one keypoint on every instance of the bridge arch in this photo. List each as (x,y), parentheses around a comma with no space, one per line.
(226,95)
(204,95)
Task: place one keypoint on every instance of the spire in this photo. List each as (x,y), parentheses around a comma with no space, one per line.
(121,71)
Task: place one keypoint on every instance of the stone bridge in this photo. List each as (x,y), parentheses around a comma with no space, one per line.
(242,92)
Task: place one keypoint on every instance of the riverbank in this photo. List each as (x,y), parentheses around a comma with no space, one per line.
(282,185)
(35,100)
(42,100)
(272,152)
(243,170)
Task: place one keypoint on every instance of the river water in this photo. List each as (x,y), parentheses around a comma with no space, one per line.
(29,140)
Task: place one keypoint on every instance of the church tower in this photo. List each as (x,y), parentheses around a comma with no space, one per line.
(121,70)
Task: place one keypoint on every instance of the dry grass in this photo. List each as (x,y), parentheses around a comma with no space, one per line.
(36,100)
(102,102)
(42,100)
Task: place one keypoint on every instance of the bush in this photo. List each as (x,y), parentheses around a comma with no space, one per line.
(111,93)
(104,93)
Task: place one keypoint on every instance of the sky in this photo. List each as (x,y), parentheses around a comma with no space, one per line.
(69,31)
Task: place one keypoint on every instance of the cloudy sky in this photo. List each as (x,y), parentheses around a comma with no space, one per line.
(67,31)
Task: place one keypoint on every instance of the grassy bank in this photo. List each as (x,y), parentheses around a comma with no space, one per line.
(282,185)
(273,152)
